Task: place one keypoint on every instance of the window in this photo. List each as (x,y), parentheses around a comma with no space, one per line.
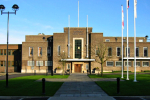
(59,50)
(137,64)
(30,63)
(128,51)
(118,63)
(48,63)
(107,40)
(145,63)
(39,51)
(137,52)
(68,66)
(109,63)
(87,66)
(12,51)
(4,51)
(129,63)
(9,52)
(48,51)
(1,63)
(30,51)
(109,51)
(96,50)
(5,63)
(1,52)
(124,40)
(78,48)
(39,63)
(12,63)
(140,40)
(145,51)
(118,51)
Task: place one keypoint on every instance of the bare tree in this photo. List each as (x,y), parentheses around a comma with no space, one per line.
(100,50)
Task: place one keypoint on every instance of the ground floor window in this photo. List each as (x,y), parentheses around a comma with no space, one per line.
(118,63)
(87,66)
(30,63)
(68,66)
(137,63)
(145,63)
(109,63)
(39,63)
(129,63)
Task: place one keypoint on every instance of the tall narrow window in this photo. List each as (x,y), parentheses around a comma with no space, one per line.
(30,51)
(87,66)
(12,51)
(128,52)
(78,48)
(68,67)
(1,51)
(59,50)
(109,51)
(1,63)
(137,51)
(48,51)
(5,52)
(118,51)
(96,50)
(9,52)
(39,51)
(145,51)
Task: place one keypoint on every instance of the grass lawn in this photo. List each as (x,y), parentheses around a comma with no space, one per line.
(26,86)
(127,88)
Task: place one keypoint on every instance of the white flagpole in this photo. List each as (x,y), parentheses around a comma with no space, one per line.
(87,38)
(127,42)
(78,13)
(122,41)
(135,42)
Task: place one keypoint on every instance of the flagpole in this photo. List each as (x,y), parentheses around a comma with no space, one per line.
(122,41)
(78,13)
(134,43)
(127,42)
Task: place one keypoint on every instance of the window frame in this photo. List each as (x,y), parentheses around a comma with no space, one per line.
(9,52)
(117,51)
(2,63)
(58,50)
(128,51)
(111,51)
(145,61)
(31,51)
(109,61)
(67,66)
(1,53)
(138,52)
(140,40)
(136,64)
(30,63)
(39,62)
(4,51)
(87,65)
(116,63)
(40,52)
(143,52)
(128,62)
(107,39)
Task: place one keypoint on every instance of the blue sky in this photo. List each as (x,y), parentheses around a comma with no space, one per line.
(49,16)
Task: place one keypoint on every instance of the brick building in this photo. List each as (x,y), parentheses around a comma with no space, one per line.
(77,46)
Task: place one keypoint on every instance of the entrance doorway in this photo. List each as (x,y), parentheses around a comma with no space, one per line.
(77,68)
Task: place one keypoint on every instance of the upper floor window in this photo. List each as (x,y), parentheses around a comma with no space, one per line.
(124,40)
(128,51)
(137,51)
(1,51)
(30,51)
(39,51)
(12,51)
(140,40)
(1,63)
(5,51)
(59,50)
(145,51)
(9,52)
(96,50)
(48,51)
(118,51)
(109,51)
(107,40)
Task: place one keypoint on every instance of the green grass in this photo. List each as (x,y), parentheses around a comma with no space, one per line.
(127,88)
(26,86)
(104,76)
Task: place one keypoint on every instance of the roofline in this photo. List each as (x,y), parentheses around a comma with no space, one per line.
(11,44)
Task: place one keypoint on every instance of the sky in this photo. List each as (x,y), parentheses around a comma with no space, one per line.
(50,16)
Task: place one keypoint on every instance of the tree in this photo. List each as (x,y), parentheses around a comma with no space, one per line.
(63,57)
(101,57)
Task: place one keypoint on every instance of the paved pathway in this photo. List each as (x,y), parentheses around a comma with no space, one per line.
(80,85)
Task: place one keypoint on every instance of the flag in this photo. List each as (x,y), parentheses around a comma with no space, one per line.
(135,8)
(127,3)
(122,18)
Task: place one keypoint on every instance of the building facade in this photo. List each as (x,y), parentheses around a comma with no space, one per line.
(77,47)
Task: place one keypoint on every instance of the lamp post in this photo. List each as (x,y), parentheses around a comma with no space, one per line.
(2,8)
